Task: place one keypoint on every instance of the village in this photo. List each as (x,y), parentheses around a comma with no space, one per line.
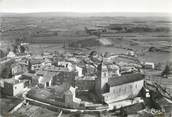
(82,82)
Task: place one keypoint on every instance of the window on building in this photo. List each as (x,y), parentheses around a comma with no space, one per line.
(124,89)
(114,91)
(104,75)
(47,84)
(26,84)
(119,90)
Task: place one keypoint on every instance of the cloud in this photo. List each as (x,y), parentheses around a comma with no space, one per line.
(86,5)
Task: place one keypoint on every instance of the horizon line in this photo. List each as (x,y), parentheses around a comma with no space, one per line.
(91,12)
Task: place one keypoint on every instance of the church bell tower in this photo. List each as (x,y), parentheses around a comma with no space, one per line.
(102,78)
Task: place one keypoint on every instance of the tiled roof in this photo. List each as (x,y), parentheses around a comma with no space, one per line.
(36,61)
(56,69)
(114,81)
(13,81)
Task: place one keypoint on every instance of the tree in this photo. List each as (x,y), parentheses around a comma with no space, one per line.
(2,54)
(106,54)
(29,66)
(22,49)
(14,48)
(166,71)
(17,41)
(123,112)
(86,30)
(7,72)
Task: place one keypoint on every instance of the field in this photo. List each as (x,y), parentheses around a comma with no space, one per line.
(63,33)
(51,33)
(149,37)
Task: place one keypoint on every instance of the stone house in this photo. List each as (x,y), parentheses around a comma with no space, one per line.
(116,88)
(70,98)
(18,68)
(13,87)
(46,79)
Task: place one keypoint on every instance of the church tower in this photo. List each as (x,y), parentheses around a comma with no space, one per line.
(102,78)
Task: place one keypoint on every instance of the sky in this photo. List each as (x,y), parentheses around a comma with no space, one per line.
(88,6)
